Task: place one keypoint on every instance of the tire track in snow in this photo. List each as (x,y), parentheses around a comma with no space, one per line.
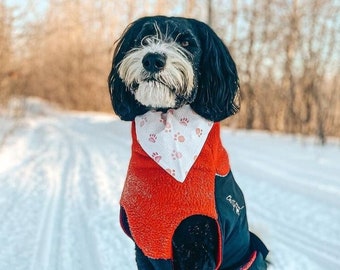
(107,163)
(17,177)
(48,237)
(65,235)
(14,179)
(85,235)
(62,213)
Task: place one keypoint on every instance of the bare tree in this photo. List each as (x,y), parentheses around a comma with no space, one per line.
(291,39)
(286,53)
(317,99)
(6,68)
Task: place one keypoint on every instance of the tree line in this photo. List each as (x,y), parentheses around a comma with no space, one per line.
(286,52)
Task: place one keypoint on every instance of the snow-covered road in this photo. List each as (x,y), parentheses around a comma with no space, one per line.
(61,174)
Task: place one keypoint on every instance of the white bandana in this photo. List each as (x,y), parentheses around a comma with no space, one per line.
(173,139)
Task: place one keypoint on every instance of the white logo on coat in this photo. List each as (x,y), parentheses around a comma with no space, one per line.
(234,204)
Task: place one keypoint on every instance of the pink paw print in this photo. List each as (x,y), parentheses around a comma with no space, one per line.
(156,157)
(143,121)
(199,132)
(171,172)
(176,155)
(167,127)
(179,137)
(152,138)
(184,121)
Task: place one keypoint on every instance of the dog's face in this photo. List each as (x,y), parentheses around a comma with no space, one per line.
(161,67)
(167,62)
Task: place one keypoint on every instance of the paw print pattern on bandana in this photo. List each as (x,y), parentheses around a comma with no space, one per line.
(173,139)
(171,172)
(156,157)
(199,132)
(167,127)
(179,137)
(152,138)
(176,155)
(184,121)
(143,121)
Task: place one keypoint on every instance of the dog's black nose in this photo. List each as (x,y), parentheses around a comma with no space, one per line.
(154,62)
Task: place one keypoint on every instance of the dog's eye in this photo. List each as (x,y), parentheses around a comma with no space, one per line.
(145,41)
(185,43)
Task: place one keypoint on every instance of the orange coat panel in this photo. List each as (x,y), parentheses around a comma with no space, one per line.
(155,203)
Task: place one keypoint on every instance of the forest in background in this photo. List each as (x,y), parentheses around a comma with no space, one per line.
(287,54)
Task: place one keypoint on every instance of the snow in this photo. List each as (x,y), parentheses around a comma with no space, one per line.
(61,175)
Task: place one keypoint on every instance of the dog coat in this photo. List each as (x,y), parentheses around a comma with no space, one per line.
(155,202)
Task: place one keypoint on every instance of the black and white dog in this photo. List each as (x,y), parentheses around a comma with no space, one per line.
(175,80)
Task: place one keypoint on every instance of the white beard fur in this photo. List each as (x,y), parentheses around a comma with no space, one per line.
(155,94)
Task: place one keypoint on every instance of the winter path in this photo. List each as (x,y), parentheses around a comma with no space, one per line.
(61,174)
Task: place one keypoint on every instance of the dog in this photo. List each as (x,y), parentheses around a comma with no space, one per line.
(175,79)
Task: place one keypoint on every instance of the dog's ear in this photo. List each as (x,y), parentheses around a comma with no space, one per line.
(218,85)
(123,101)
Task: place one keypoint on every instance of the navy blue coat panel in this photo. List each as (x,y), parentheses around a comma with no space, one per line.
(232,220)
(238,242)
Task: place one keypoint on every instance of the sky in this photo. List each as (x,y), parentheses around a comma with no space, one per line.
(29,10)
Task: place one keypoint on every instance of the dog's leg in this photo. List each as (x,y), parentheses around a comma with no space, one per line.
(143,262)
(195,244)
